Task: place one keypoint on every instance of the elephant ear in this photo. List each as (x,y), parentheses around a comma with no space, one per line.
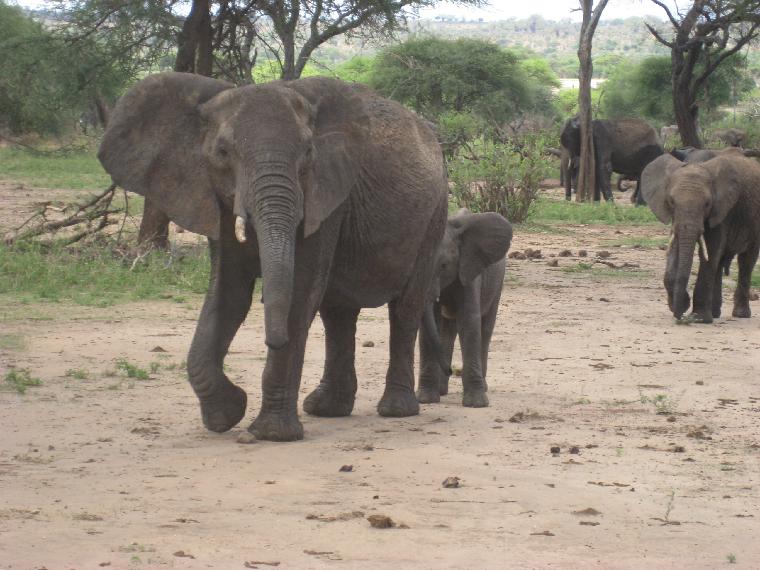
(654,189)
(341,128)
(725,173)
(152,146)
(484,239)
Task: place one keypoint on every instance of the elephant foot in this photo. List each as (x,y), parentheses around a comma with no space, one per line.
(443,387)
(327,403)
(428,396)
(276,427)
(224,410)
(398,403)
(701,317)
(742,312)
(475,398)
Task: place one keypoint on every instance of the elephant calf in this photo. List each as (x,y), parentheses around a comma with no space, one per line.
(470,265)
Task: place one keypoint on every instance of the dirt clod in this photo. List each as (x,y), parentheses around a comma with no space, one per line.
(565,253)
(158,349)
(588,512)
(582,253)
(554,450)
(346,468)
(575,450)
(553,263)
(451,482)
(368,344)
(603,254)
(381,521)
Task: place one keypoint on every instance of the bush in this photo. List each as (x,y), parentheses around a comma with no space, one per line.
(503,178)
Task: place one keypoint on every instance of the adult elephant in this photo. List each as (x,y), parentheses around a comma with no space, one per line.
(568,171)
(624,146)
(334,195)
(731,137)
(715,204)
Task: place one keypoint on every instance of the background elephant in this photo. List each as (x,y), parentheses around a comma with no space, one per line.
(690,154)
(470,266)
(568,171)
(717,205)
(668,131)
(731,137)
(624,146)
(334,195)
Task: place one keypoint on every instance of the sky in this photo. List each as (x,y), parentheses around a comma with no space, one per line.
(504,9)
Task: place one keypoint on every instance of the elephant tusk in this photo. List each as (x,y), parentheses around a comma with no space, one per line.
(240,229)
(703,247)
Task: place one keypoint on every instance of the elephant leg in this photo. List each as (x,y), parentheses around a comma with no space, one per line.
(334,397)
(703,292)
(486,332)
(448,334)
(398,399)
(747,262)
(278,417)
(233,275)
(431,374)
(470,338)
(717,291)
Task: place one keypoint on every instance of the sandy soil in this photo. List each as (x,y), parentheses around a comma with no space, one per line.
(657,426)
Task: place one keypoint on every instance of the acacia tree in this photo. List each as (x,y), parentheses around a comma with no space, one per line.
(703,37)
(586,173)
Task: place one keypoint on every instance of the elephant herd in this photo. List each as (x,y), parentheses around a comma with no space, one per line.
(338,199)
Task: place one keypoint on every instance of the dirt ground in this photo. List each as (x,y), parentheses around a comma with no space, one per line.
(656,424)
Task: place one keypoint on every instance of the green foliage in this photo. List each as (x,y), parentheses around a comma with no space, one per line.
(19,379)
(131,370)
(358,69)
(554,211)
(504,178)
(435,76)
(566,102)
(47,82)
(74,171)
(77,373)
(96,276)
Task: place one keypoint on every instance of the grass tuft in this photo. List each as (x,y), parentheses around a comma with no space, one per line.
(131,370)
(19,379)
(560,211)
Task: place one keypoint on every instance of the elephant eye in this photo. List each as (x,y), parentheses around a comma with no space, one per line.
(223,152)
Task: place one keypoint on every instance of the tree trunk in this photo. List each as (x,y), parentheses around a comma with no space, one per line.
(686,112)
(587,167)
(194,55)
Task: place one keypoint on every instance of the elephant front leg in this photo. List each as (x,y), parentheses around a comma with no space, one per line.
(703,293)
(334,397)
(398,398)
(233,275)
(434,382)
(747,262)
(471,341)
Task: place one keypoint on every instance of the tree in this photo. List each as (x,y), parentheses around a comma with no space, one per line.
(703,37)
(586,174)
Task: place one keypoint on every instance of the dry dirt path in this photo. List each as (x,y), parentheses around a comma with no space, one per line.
(119,473)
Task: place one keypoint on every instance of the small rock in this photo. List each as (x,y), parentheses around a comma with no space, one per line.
(603,254)
(157,349)
(516,255)
(604,299)
(346,468)
(554,449)
(368,344)
(588,523)
(380,521)
(590,511)
(183,554)
(679,449)
(565,253)
(700,382)
(247,437)
(753,296)
(456,371)
(575,450)
(553,263)
(582,253)
(671,418)
(451,482)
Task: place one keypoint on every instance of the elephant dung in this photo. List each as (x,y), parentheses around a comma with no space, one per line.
(381,521)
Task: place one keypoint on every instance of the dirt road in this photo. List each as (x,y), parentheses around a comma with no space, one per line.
(657,425)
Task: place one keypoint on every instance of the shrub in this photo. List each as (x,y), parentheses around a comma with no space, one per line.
(503,178)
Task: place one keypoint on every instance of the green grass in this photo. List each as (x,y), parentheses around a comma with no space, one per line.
(640,242)
(756,277)
(77,373)
(131,370)
(19,379)
(596,270)
(77,171)
(12,342)
(97,277)
(560,211)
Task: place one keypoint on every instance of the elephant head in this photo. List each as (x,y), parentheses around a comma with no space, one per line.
(570,137)
(694,197)
(279,156)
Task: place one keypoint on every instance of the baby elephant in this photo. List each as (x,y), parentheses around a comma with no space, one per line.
(470,268)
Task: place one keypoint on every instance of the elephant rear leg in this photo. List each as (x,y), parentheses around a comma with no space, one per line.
(334,397)
(486,332)
(747,262)
(434,383)
(233,275)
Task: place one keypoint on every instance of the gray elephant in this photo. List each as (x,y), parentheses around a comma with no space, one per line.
(715,204)
(470,266)
(624,146)
(568,171)
(731,137)
(334,195)
(667,132)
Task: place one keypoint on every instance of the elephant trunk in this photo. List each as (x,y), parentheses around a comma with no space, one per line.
(684,244)
(276,210)
(428,324)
